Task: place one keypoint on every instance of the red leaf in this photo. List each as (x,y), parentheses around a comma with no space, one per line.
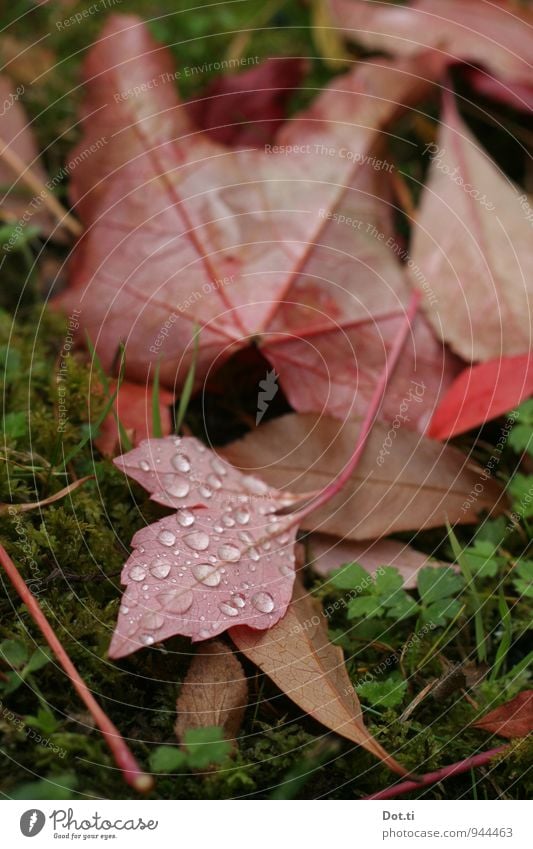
(247,109)
(481,393)
(133,406)
(222,558)
(513,719)
(183,231)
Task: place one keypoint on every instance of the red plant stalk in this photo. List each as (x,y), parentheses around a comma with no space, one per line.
(344,475)
(123,757)
(433,777)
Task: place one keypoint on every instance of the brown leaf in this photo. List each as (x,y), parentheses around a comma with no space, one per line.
(420,483)
(214,692)
(297,655)
(513,719)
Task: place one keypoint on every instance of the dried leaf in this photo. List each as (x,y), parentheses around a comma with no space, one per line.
(481,263)
(420,483)
(215,691)
(222,558)
(513,719)
(297,655)
(326,553)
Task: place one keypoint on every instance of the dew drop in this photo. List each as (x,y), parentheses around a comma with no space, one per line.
(286,570)
(228,609)
(230,553)
(160,568)
(206,574)
(238,600)
(263,602)
(144,465)
(137,573)
(176,486)
(181,463)
(253,554)
(198,540)
(206,491)
(254,485)
(204,633)
(228,520)
(218,467)
(176,601)
(166,538)
(147,639)
(185,518)
(214,481)
(242,515)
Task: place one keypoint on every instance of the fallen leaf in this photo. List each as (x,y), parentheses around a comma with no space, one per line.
(183,232)
(481,393)
(297,655)
(246,109)
(513,719)
(420,484)
(214,692)
(497,36)
(326,553)
(133,406)
(480,264)
(222,557)
(16,135)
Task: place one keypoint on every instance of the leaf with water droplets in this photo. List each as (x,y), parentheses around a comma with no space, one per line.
(297,655)
(223,556)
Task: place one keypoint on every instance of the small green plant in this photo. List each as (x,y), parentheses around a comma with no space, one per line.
(380,596)
(203,747)
(521,436)
(387,692)
(438,588)
(523,580)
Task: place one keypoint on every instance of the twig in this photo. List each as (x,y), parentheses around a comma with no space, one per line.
(123,757)
(24,508)
(21,169)
(433,777)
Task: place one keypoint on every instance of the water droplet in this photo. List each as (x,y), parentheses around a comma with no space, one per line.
(254,485)
(176,486)
(267,545)
(253,554)
(238,600)
(147,639)
(242,515)
(214,481)
(263,602)
(246,536)
(137,573)
(206,574)
(185,518)
(229,553)
(286,570)
(219,529)
(152,620)
(181,463)
(272,528)
(228,609)
(166,538)
(206,491)
(160,568)
(176,601)
(198,540)
(228,520)
(125,610)
(144,465)
(218,467)
(204,633)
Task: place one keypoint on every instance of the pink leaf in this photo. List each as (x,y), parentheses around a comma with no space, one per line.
(497,36)
(222,559)
(185,232)
(133,407)
(480,264)
(481,393)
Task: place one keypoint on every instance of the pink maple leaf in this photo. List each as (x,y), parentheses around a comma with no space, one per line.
(222,558)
